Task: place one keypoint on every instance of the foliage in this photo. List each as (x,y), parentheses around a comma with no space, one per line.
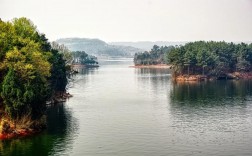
(30,69)
(81,57)
(211,58)
(58,78)
(155,56)
(62,49)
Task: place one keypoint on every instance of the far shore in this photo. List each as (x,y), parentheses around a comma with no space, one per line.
(152,66)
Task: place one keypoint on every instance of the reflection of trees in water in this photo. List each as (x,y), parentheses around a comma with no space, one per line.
(85,71)
(151,71)
(153,79)
(82,76)
(59,135)
(208,110)
(210,93)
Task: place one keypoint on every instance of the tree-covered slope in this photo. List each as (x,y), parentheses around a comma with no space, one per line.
(31,73)
(211,58)
(98,47)
(147,45)
(153,57)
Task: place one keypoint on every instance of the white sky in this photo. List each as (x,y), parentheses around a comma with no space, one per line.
(137,20)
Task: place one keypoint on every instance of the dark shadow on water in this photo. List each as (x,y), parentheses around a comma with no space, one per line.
(210,94)
(59,135)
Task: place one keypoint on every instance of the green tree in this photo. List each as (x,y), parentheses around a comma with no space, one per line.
(155,56)
(211,58)
(31,71)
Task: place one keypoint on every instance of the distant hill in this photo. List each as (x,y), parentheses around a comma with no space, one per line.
(98,47)
(147,45)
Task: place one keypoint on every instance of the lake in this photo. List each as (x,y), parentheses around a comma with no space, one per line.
(120,111)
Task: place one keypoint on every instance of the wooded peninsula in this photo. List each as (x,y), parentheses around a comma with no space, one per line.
(202,60)
(33,73)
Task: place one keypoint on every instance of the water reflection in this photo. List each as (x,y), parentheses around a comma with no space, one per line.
(88,71)
(84,75)
(212,113)
(115,62)
(156,80)
(128,111)
(207,93)
(62,129)
(147,72)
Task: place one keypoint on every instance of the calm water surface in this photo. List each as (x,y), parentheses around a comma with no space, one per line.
(121,111)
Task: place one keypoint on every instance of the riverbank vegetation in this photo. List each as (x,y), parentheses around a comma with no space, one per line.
(31,73)
(82,58)
(202,60)
(212,59)
(154,57)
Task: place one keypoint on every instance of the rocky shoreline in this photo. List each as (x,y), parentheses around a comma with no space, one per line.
(23,127)
(26,126)
(229,76)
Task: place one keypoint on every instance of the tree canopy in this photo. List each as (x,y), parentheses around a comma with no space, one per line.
(30,69)
(153,57)
(211,58)
(81,57)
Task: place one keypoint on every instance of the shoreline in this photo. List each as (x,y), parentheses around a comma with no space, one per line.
(59,97)
(24,127)
(21,128)
(228,76)
(19,134)
(165,66)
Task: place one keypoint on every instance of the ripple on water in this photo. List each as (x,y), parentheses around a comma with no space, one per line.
(124,111)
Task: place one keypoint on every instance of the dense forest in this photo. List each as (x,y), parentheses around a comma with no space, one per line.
(153,57)
(211,58)
(31,73)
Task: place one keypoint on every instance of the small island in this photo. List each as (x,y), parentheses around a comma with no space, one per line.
(82,60)
(201,60)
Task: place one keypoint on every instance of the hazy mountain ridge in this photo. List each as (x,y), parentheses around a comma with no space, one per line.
(147,45)
(98,47)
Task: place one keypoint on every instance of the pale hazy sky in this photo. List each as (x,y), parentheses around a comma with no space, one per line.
(137,20)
